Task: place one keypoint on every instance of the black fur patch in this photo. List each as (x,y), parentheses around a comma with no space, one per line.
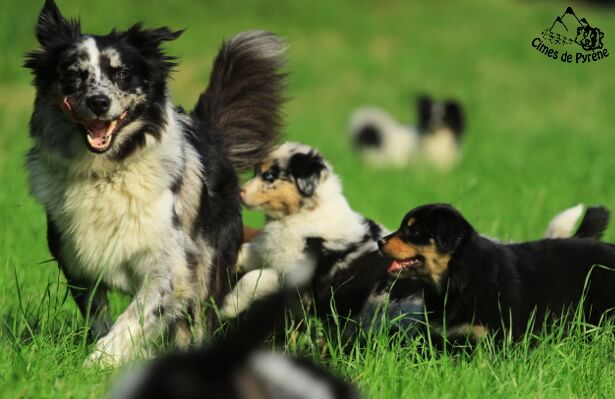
(594,223)
(305,169)
(424,105)
(369,137)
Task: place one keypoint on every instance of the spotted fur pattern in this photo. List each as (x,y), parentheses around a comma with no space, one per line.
(155,213)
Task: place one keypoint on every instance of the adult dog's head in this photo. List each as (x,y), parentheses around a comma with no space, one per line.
(425,242)
(288,182)
(98,93)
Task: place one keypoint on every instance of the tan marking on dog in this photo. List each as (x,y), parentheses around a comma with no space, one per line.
(435,264)
(474,331)
(265,166)
(278,199)
(411,221)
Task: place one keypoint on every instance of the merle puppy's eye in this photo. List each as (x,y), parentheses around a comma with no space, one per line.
(268,177)
(121,74)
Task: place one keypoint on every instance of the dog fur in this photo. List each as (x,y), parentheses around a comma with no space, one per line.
(235,367)
(474,286)
(141,197)
(307,213)
(436,139)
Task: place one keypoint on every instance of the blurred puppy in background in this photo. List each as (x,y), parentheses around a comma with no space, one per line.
(436,139)
(235,367)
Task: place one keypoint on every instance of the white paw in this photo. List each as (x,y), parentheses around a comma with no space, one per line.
(108,353)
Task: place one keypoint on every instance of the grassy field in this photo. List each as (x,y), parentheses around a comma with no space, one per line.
(540,138)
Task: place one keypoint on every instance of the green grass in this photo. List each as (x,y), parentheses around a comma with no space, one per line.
(540,138)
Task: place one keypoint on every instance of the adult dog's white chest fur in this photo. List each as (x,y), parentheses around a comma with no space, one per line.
(108,222)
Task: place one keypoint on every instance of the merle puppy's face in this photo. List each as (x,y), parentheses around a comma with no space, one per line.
(98,87)
(285,183)
(426,240)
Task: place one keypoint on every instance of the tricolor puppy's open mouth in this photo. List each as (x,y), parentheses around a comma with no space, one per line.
(401,265)
(99,133)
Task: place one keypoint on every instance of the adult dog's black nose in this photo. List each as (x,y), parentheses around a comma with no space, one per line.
(99,104)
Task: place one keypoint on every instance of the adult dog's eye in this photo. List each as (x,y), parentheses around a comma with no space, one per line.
(121,74)
(72,74)
(268,177)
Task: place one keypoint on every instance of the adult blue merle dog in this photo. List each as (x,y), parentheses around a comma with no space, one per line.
(140,196)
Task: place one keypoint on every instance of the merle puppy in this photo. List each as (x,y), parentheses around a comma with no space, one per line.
(474,286)
(141,197)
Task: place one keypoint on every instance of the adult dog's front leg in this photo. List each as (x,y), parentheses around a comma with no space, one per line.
(163,298)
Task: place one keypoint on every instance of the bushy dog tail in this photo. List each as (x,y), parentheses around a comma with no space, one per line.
(245,94)
(594,223)
(579,221)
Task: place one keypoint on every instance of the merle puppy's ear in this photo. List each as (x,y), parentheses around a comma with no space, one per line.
(306,170)
(454,117)
(52,28)
(424,107)
(451,228)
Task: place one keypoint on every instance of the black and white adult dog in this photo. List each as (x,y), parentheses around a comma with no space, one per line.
(436,138)
(141,197)
(307,213)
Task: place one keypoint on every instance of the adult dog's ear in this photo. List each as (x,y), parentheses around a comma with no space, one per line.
(451,228)
(52,28)
(149,42)
(306,170)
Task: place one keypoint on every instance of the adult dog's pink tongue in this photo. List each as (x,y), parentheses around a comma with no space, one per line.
(97,129)
(99,133)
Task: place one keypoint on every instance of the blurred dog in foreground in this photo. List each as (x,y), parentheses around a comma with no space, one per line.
(234,367)
(474,286)
(306,210)
(140,196)
(436,139)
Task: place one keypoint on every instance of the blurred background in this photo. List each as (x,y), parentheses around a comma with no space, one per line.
(540,134)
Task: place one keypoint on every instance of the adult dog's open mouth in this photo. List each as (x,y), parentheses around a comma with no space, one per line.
(99,133)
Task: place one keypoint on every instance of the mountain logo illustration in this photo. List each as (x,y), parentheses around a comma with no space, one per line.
(569,29)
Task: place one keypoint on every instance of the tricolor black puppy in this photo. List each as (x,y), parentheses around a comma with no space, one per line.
(141,197)
(478,286)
